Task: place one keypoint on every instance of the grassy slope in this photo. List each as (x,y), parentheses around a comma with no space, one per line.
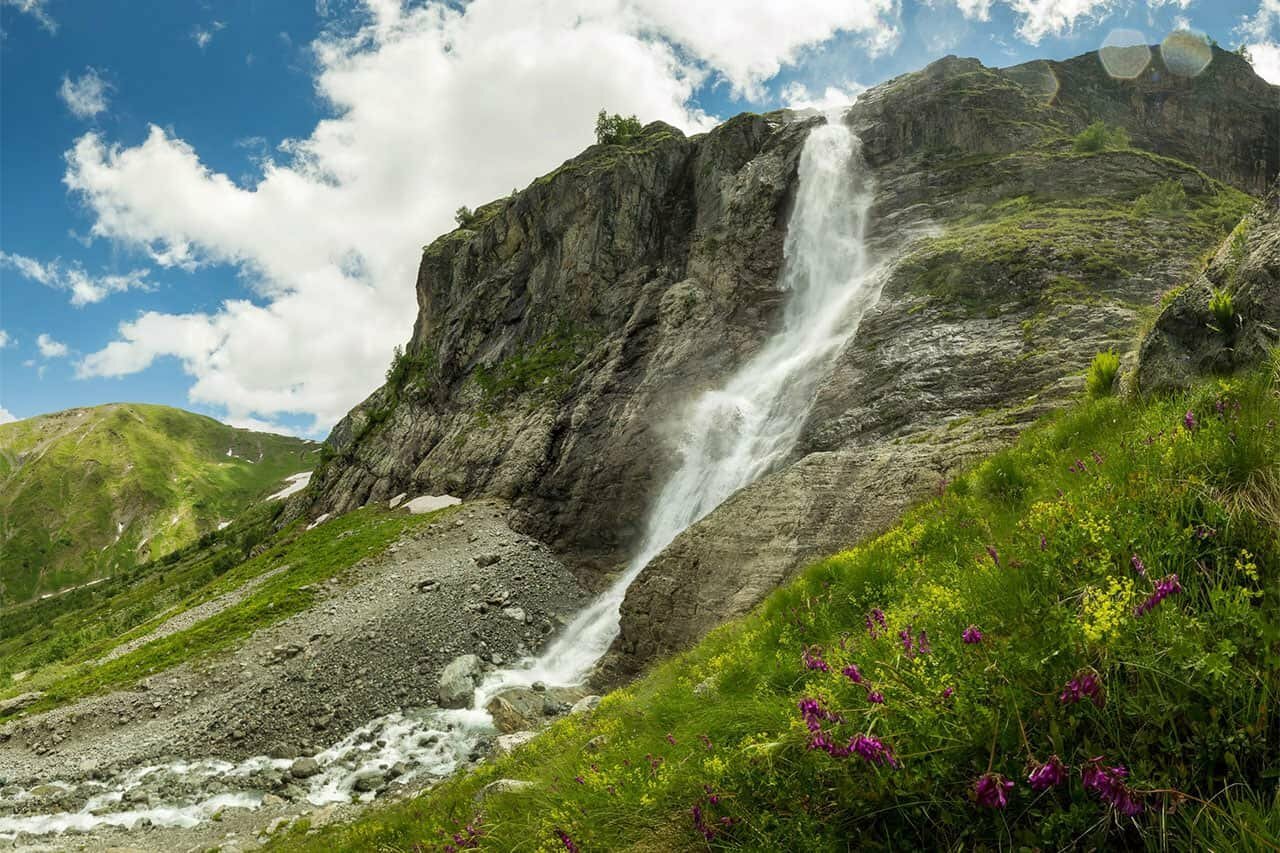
(54,643)
(163,473)
(1190,687)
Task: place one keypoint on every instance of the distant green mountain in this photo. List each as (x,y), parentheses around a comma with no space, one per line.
(88,492)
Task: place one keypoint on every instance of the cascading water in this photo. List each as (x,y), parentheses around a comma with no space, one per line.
(732,435)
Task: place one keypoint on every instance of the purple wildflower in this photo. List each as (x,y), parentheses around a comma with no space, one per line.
(994,555)
(1165,587)
(706,741)
(876,618)
(1085,685)
(872,750)
(905,636)
(1138,566)
(971,635)
(671,739)
(813,659)
(875,697)
(1189,421)
(579,780)
(568,843)
(948,692)
(1108,783)
(814,714)
(1097,458)
(1044,776)
(1044,543)
(922,643)
(853,673)
(992,791)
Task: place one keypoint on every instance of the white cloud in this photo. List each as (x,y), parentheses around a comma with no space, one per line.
(979,10)
(1261,36)
(84,288)
(87,96)
(433,107)
(5,340)
(798,97)
(1265,58)
(1181,4)
(49,348)
(1042,18)
(7,417)
(203,35)
(36,9)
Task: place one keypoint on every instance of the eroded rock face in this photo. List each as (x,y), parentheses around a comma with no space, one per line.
(1189,341)
(561,335)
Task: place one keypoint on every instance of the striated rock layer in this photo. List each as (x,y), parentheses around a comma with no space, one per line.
(563,330)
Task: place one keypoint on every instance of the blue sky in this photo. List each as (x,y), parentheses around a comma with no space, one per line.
(219,205)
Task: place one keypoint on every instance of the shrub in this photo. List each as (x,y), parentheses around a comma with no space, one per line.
(616,129)
(1165,197)
(464,216)
(1101,379)
(1100,137)
(1224,310)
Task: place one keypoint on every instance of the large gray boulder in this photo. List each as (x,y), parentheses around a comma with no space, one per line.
(457,688)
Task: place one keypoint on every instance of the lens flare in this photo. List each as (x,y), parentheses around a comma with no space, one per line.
(1186,53)
(1125,54)
(1038,79)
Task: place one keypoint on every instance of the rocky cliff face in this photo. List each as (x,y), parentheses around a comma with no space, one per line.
(1190,339)
(561,333)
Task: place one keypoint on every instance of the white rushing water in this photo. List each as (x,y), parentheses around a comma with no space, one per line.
(731,436)
(734,434)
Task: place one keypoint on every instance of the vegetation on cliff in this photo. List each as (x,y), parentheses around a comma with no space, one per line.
(1019,662)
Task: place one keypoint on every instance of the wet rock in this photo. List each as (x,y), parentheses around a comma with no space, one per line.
(457,687)
(304,768)
(585,704)
(370,780)
(522,709)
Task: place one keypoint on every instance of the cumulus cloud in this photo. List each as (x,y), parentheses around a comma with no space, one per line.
(85,96)
(797,96)
(1260,34)
(37,10)
(432,107)
(203,35)
(5,340)
(1040,18)
(84,288)
(6,417)
(1181,4)
(49,348)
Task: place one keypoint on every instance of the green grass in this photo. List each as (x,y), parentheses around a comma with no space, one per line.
(69,480)
(312,556)
(1100,380)
(1035,548)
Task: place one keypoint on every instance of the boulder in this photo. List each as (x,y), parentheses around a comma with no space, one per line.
(521,709)
(502,786)
(458,682)
(19,703)
(370,780)
(585,704)
(430,503)
(505,744)
(304,768)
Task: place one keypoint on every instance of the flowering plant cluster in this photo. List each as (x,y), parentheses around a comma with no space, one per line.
(1166,586)
(1085,685)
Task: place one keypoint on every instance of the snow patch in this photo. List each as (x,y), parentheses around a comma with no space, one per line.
(296,483)
(319,521)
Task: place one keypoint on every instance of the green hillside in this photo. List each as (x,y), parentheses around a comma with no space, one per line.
(86,493)
(1074,645)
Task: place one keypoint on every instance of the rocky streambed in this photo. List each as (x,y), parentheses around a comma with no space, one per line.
(371,692)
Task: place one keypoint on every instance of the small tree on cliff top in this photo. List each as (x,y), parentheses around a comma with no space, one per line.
(616,129)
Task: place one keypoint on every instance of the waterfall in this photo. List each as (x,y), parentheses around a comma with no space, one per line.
(731,436)
(735,433)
